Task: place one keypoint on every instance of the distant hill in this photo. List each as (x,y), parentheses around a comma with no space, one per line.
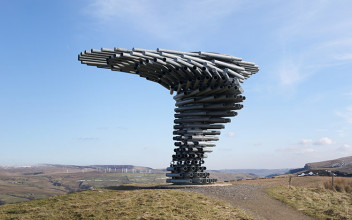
(28,182)
(23,183)
(256,172)
(336,164)
(50,168)
(341,167)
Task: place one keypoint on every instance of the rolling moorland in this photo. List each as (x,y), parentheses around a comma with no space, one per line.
(26,183)
(245,199)
(246,196)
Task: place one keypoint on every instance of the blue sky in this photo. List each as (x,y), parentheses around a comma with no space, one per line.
(55,110)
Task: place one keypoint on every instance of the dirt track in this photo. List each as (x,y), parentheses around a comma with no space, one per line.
(250,195)
(252,199)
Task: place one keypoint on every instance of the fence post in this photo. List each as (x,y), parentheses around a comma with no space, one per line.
(332,180)
(289,181)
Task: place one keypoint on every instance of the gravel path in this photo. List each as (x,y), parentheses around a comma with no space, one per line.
(252,199)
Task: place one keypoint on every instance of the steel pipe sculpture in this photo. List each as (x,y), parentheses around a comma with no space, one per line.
(208,92)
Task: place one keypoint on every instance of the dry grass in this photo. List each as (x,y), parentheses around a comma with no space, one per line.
(313,195)
(110,204)
(316,202)
(307,181)
(340,185)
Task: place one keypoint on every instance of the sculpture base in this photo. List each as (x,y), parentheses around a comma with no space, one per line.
(192,181)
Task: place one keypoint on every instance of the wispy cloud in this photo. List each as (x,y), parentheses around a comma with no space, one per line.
(323,141)
(306,141)
(225,149)
(296,150)
(308,150)
(230,134)
(338,42)
(308,44)
(347,56)
(345,147)
(306,146)
(165,20)
(88,139)
(290,148)
(112,128)
(346,114)
(103,128)
(290,72)
(348,94)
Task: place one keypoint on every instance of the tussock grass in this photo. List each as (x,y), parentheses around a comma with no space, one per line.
(340,185)
(112,204)
(316,202)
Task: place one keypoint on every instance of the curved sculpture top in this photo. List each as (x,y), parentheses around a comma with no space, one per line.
(207,87)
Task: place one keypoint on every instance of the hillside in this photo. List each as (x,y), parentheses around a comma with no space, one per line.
(112,204)
(256,172)
(24,183)
(341,166)
(337,163)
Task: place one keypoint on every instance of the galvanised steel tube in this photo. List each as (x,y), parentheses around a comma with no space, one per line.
(208,92)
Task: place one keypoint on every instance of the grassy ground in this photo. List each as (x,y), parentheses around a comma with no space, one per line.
(307,181)
(18,187)
(316,202)
(112,204)
(313,195)
(340,185)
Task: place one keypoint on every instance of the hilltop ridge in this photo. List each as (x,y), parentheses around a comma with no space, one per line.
(343,162)
(340,167)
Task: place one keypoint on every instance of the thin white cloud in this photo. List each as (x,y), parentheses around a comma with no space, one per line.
(308,150)
(308,44)
(323,141)
(348,94)
(345,147)
(165,20)
(341,132)
(339,42)
(290,148)
(225,149)
(290,72)
(88,139)
(346,114)
(322,129)
(306,141)
(230,134)
(347,56)
(298,150)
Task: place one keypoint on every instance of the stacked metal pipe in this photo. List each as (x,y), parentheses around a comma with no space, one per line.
(208,92)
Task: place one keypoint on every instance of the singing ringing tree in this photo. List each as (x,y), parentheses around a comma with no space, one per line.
(208,92)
